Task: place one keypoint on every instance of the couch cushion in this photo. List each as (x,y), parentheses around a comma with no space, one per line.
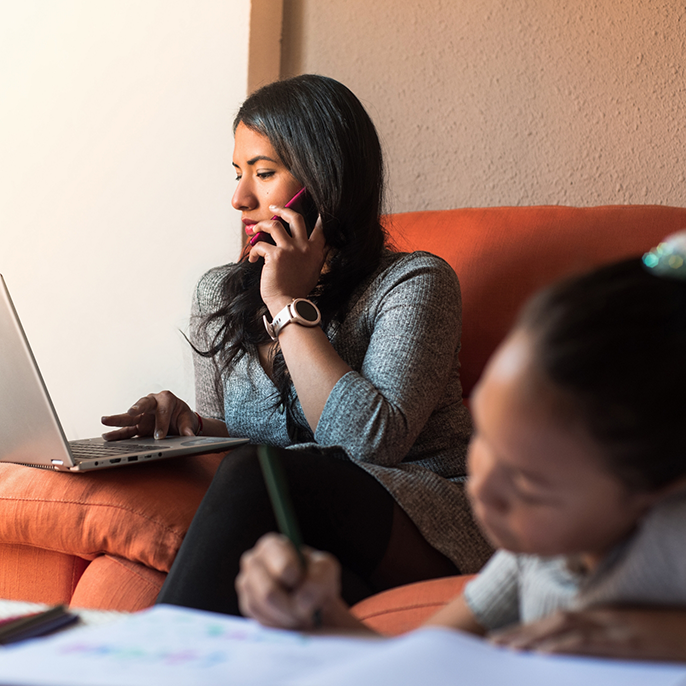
(139,513)
(112,583)
(404,608)
(503,254)
(38,576)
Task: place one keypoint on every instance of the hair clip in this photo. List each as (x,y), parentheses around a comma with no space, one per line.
(669,258)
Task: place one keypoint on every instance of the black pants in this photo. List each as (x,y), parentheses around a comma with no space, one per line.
(340,509)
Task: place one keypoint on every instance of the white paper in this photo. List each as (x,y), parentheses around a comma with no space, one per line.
(174,646)
(440,657)
(179,647)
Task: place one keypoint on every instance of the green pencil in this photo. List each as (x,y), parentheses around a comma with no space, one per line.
(282,505)
(277,487)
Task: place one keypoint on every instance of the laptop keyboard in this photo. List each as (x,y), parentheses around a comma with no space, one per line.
(93,451)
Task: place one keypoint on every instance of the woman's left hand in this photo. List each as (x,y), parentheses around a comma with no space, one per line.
(292,266)
(631,633)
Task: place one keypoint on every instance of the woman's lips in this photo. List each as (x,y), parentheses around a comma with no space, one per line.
(257,237)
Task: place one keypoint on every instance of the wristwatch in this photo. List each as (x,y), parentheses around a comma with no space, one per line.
(299,310)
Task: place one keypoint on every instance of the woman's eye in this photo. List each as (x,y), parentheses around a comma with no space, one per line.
(265,174)
(238,178)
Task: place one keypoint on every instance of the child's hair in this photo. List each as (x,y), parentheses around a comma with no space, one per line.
(614,342)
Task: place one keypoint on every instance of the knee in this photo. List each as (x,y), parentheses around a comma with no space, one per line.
(237,481)
(241,469)
(239,463)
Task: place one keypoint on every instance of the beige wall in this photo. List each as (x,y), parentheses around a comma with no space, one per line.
(493,102)
(115,185)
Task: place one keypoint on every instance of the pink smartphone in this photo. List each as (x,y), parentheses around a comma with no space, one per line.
(303,204)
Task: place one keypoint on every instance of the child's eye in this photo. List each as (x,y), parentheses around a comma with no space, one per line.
(526,493)
(530,498)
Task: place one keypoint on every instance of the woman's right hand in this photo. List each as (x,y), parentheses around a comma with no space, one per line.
(275,589)
(293,265)
(157,414)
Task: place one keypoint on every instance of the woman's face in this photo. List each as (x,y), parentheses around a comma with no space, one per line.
(538,483)
(263,179)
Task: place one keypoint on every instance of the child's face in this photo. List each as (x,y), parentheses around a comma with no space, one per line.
(537,481)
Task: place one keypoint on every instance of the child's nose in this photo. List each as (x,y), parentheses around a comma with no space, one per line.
(485,487)
(494,500)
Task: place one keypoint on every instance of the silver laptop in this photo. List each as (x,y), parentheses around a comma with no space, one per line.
(31,433)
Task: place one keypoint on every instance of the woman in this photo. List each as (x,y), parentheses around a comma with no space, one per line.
(368,403)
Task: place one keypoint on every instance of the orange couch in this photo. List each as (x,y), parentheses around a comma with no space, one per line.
(107,540)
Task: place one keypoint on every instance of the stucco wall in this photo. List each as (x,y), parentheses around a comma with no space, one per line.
(510,103)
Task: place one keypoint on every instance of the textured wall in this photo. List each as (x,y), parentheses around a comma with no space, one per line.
(264,49)
(510,103)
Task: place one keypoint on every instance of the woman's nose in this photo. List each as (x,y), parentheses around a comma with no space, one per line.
(243,199)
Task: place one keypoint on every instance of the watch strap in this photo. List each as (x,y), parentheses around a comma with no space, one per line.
(290,314)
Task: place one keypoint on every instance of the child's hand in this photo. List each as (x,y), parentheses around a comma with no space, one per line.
(630,633)
(274,588)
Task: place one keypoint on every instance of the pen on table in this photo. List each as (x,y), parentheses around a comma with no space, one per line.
(35,624)
(277,487)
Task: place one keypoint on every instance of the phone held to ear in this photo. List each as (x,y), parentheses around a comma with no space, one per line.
(301,203)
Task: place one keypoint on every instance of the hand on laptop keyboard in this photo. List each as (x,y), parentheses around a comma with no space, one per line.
(157,415)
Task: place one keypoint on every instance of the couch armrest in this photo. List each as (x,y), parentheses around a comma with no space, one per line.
(404,608)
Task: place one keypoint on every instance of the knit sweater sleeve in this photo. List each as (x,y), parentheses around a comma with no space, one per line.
(407,326)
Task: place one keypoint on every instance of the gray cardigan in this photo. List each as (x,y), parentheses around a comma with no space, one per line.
(398,414)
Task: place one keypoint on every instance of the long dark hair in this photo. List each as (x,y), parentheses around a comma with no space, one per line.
(614,342)
(326,140)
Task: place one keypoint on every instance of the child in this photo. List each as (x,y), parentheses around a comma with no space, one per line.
(577,474)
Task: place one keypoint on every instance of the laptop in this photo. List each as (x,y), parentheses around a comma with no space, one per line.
(30,430)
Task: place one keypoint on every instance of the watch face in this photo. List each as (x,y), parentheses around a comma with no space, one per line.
(306,310)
